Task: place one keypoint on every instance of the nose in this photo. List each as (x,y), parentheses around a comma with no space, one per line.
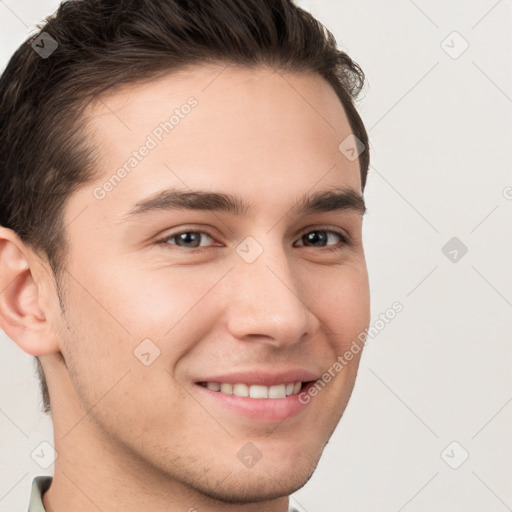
(267,302)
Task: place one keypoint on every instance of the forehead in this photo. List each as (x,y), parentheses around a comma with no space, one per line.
(259,132)
(223,86)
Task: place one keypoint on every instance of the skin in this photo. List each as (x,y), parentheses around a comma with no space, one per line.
(134,437)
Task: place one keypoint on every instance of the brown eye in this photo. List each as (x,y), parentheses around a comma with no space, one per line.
(187,239)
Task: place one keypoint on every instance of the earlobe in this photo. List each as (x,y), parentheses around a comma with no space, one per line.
(21,315)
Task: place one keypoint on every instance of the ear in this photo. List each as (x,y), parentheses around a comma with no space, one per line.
(22,312)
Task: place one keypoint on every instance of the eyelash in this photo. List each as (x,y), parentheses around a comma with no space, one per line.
(344,240)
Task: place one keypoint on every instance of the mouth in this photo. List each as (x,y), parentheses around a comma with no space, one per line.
(256,391)
(276,401)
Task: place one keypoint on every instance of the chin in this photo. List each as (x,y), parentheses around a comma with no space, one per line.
(253,486)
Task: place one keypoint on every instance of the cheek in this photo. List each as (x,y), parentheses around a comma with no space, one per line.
(136,302)
(152,303)
(95,349)
(343,302)
(115,317)
(109,372)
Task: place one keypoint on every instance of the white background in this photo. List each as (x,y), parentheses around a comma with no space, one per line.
(440,130)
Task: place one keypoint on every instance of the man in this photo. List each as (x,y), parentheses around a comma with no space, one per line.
(181,250)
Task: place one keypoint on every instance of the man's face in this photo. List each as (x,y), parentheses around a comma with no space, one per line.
(272,295)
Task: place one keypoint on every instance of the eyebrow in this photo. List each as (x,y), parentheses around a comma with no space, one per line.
(332,199)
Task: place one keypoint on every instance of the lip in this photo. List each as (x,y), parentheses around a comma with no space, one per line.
(263,378)
(267,410)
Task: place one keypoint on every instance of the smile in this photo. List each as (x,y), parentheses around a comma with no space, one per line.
(254,390)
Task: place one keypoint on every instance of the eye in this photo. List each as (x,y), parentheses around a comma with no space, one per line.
(187,239)
(321,237)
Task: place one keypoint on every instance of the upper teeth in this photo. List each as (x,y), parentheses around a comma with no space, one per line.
(256,390)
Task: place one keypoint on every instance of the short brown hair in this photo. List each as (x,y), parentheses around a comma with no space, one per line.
(100,44)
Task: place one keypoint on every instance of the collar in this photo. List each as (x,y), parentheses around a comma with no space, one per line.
(39,485)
